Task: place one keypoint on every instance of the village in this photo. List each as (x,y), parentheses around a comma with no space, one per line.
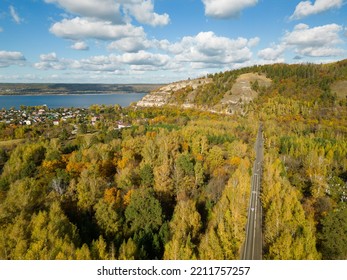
(41,114)
(77,120)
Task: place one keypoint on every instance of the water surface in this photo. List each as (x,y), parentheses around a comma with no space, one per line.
(67,101)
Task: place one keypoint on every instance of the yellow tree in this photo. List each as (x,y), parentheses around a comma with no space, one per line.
(52,236)
(128,250)
(184,226)
(288,234)
(316,168)
(225,232)
(90,189)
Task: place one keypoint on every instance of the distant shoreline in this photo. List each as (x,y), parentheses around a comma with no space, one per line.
(72,94)
(7,89)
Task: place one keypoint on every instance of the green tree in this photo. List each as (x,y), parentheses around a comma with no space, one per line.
(185,165)
(184,176)
(333,239)
(147,176)
(82,128)
(144,212)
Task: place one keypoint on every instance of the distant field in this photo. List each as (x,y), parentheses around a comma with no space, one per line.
(340,88)
(9,143)
(42,89)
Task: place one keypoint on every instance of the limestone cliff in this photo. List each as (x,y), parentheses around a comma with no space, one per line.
(230,98)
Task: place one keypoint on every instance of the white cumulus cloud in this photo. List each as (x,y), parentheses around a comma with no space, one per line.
(320,41)
(105,63)
(46,65)
(273,53)
(226,8)
(8,58)
(49,57)
(114,62)
(130,44)
(110,10)
(102,9)
(145,58)
(208,49)
(52,61)
(80,46)
(82,28)
(307,8)
(143,11)
(109,20)
(101,63)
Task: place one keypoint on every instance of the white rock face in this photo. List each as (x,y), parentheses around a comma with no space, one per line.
(162,96)
(240,94)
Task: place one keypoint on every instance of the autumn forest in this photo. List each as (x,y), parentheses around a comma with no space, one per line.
(175,183)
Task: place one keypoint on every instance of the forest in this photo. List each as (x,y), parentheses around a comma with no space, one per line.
(176,183)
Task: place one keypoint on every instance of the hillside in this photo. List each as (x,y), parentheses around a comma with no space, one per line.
(205,93)
(231,91)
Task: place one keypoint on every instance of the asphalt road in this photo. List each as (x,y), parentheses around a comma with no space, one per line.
(252,249)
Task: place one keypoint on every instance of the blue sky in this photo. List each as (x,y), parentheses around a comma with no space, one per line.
(159,41)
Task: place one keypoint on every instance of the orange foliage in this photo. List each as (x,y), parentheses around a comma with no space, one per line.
(151,134)
(122,163)
(199,157)
(51,165)
(235,161)
(185,146)
(158,119)
(112,195)
(127,197)
(65,158)
(77,167)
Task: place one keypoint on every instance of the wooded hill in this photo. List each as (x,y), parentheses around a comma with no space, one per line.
(176,184)
(230,92)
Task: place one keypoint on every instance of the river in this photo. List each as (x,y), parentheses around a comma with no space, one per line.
(67,101)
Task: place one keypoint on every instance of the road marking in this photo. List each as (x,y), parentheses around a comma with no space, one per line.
(254,228)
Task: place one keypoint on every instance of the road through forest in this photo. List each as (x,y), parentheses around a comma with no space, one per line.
(252,249)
